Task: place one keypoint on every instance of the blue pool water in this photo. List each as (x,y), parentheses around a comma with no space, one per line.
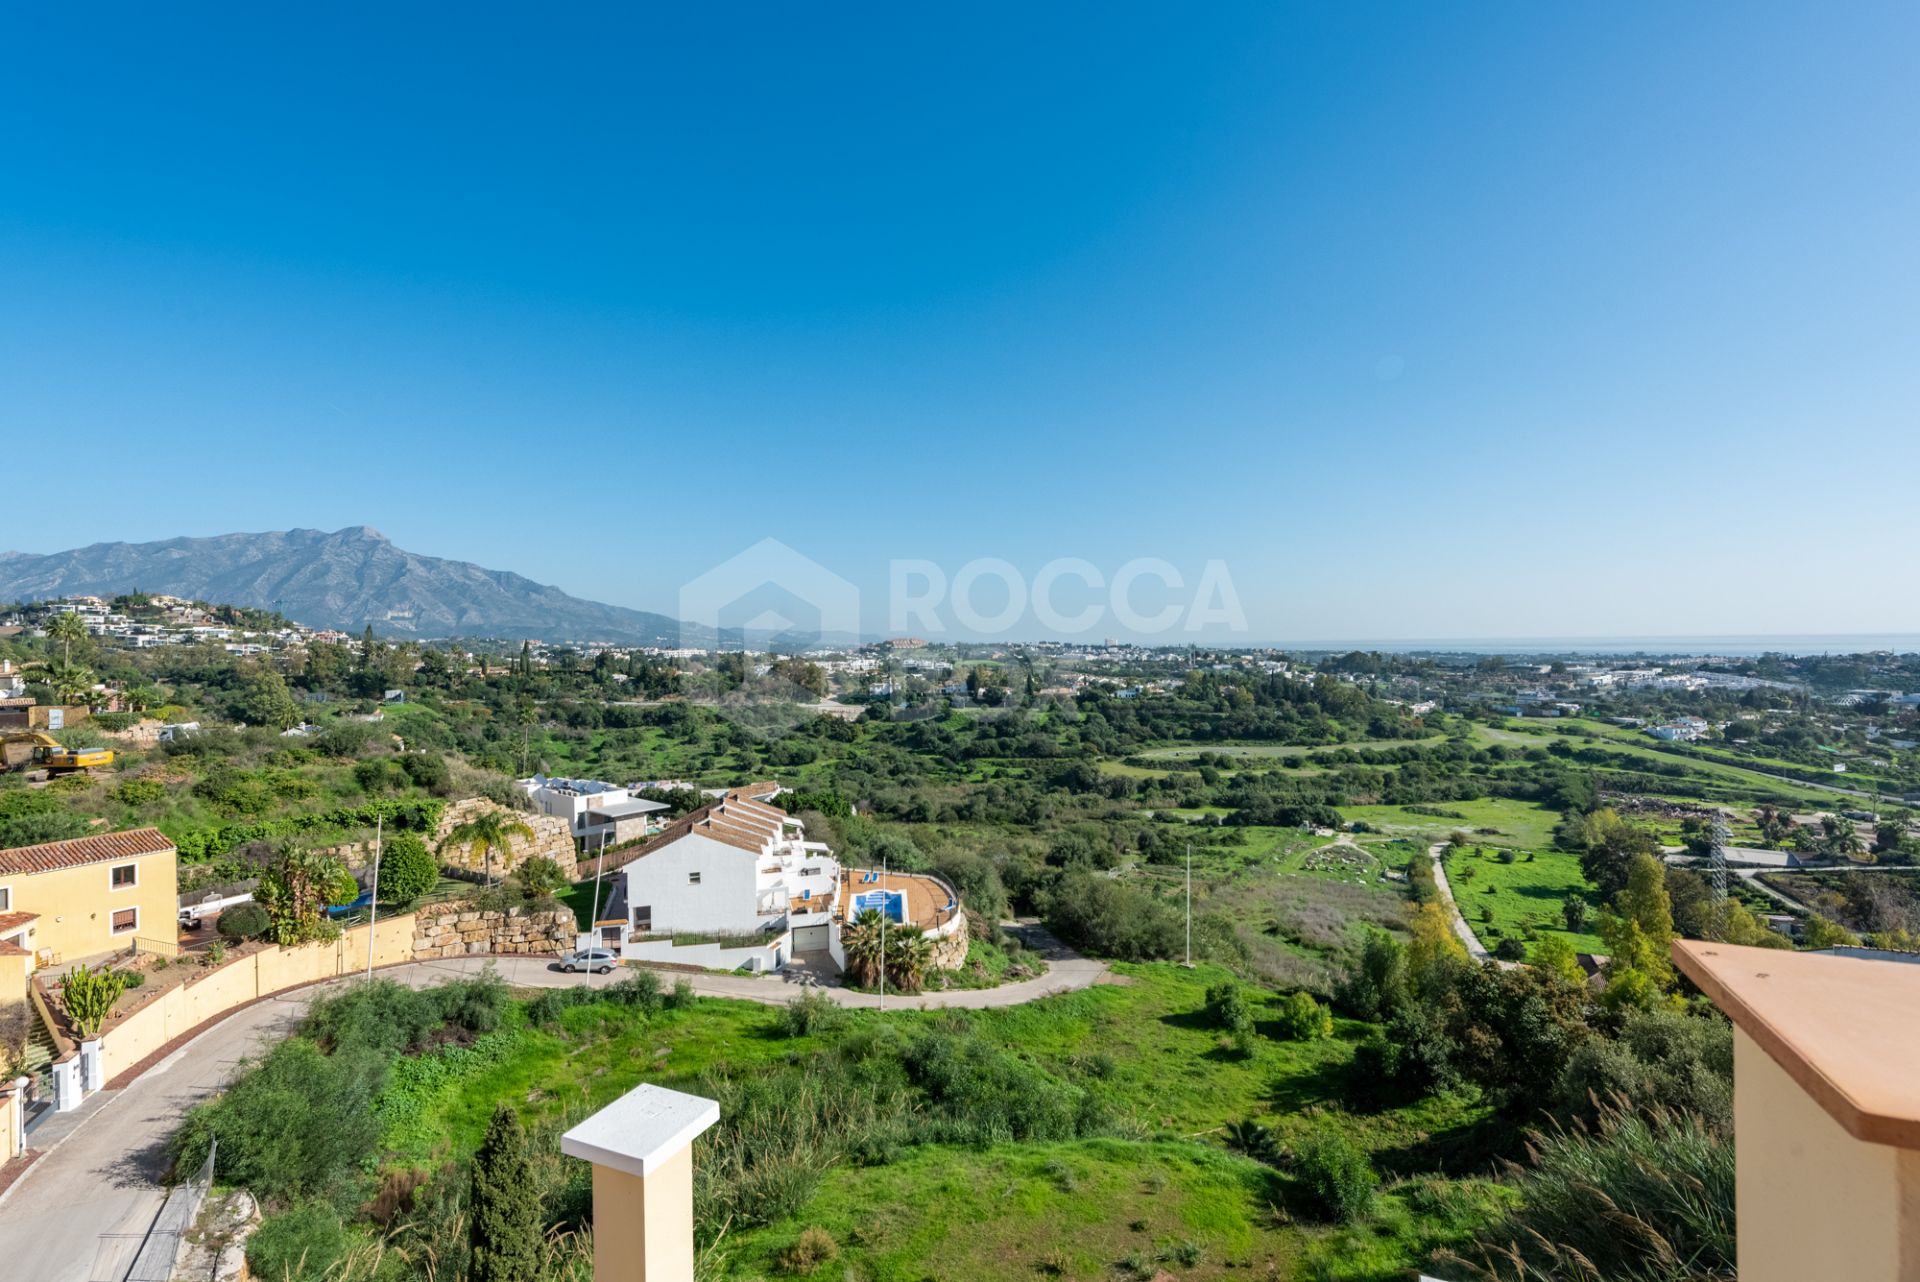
(892,903)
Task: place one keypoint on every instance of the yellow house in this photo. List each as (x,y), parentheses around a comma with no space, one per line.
(71,900)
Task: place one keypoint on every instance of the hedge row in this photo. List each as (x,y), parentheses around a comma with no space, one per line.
(408,814)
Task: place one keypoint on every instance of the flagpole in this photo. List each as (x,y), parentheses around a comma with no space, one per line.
(883,933)
(1189,905)
(373,904)
(593,922)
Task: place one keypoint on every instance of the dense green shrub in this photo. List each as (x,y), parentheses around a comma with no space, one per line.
(1680,1061)
(540,877)
(1227,1008)
(428,771)
(299,1125)
(812,1013)
(640,990)
(409,814)
(389,1018)
(344,739)
(1302,1019)
(304,1241)
(29,816)
(1111,918)
(982,1094)
(1376,985)
(407,869)
(1335,1176)
(139,792)
(244,921)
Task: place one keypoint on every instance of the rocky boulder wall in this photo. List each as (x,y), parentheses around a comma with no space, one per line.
(456,930)
(551,838)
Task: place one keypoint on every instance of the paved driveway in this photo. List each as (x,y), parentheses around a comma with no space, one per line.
(78,1214)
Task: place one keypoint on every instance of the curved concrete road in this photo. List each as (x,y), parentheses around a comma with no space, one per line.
(78,1214)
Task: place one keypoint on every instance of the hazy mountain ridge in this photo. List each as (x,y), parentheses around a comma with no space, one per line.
(345,579)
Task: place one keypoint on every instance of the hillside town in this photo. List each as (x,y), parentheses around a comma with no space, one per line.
(1039,643)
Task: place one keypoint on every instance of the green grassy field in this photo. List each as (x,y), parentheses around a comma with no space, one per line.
(1735,781)
(1164,1193)
(1528,891)
(1521,824)
(1281,750)
(1077,1210)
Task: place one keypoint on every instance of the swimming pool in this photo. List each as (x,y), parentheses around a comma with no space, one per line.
(891,903)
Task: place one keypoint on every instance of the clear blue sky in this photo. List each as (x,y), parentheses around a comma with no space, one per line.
(1430,321)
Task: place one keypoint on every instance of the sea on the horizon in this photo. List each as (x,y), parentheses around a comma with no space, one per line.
(1728,646)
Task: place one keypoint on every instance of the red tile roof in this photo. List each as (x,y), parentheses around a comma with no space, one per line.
(14,921)
(96,849)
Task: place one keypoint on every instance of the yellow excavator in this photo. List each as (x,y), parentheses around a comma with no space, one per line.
(47,754)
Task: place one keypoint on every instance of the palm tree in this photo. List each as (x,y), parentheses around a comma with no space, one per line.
(66,629)
(485,834)
(860,940)
(71,684)
(908,956)
(140,698)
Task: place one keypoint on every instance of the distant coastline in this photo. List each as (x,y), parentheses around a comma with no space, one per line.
(1744,647)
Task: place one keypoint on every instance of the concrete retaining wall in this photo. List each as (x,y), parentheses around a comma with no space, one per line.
(760,959)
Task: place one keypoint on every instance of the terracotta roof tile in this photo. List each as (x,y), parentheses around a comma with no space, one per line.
(731,836)
(84,850)
(13,921)
(760,810)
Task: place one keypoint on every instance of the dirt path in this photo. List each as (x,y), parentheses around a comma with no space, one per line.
(1460,927)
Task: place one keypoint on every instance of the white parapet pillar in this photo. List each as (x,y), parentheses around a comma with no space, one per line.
(641,1147)
(93,1075)
(1826,1111)
(67,1091)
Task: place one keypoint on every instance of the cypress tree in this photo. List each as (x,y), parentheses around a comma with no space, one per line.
(505,1209)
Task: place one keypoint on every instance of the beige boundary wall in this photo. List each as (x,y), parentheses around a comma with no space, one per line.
(10,1122)
(129,1039)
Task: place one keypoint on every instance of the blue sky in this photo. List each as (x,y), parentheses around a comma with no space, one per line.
(1427,321)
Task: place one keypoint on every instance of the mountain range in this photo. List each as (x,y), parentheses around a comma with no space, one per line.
(347,579)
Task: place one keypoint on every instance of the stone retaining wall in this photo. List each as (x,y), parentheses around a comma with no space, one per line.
(950,950)
(455,930)
(551,837)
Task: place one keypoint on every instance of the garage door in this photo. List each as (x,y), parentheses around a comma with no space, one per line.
(809,938)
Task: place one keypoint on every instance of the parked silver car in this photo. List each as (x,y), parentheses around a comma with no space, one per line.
(597,960)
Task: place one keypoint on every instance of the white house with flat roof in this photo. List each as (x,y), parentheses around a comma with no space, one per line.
(597,813)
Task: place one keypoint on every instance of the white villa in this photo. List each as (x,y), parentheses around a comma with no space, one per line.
(743,887)
(597,813)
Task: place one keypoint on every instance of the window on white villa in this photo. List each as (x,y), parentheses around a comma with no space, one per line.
(809,872)
(693,879)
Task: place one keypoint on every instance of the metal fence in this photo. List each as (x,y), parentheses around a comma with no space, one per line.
(161,1248)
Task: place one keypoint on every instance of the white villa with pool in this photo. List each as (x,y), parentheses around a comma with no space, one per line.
(736,884)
